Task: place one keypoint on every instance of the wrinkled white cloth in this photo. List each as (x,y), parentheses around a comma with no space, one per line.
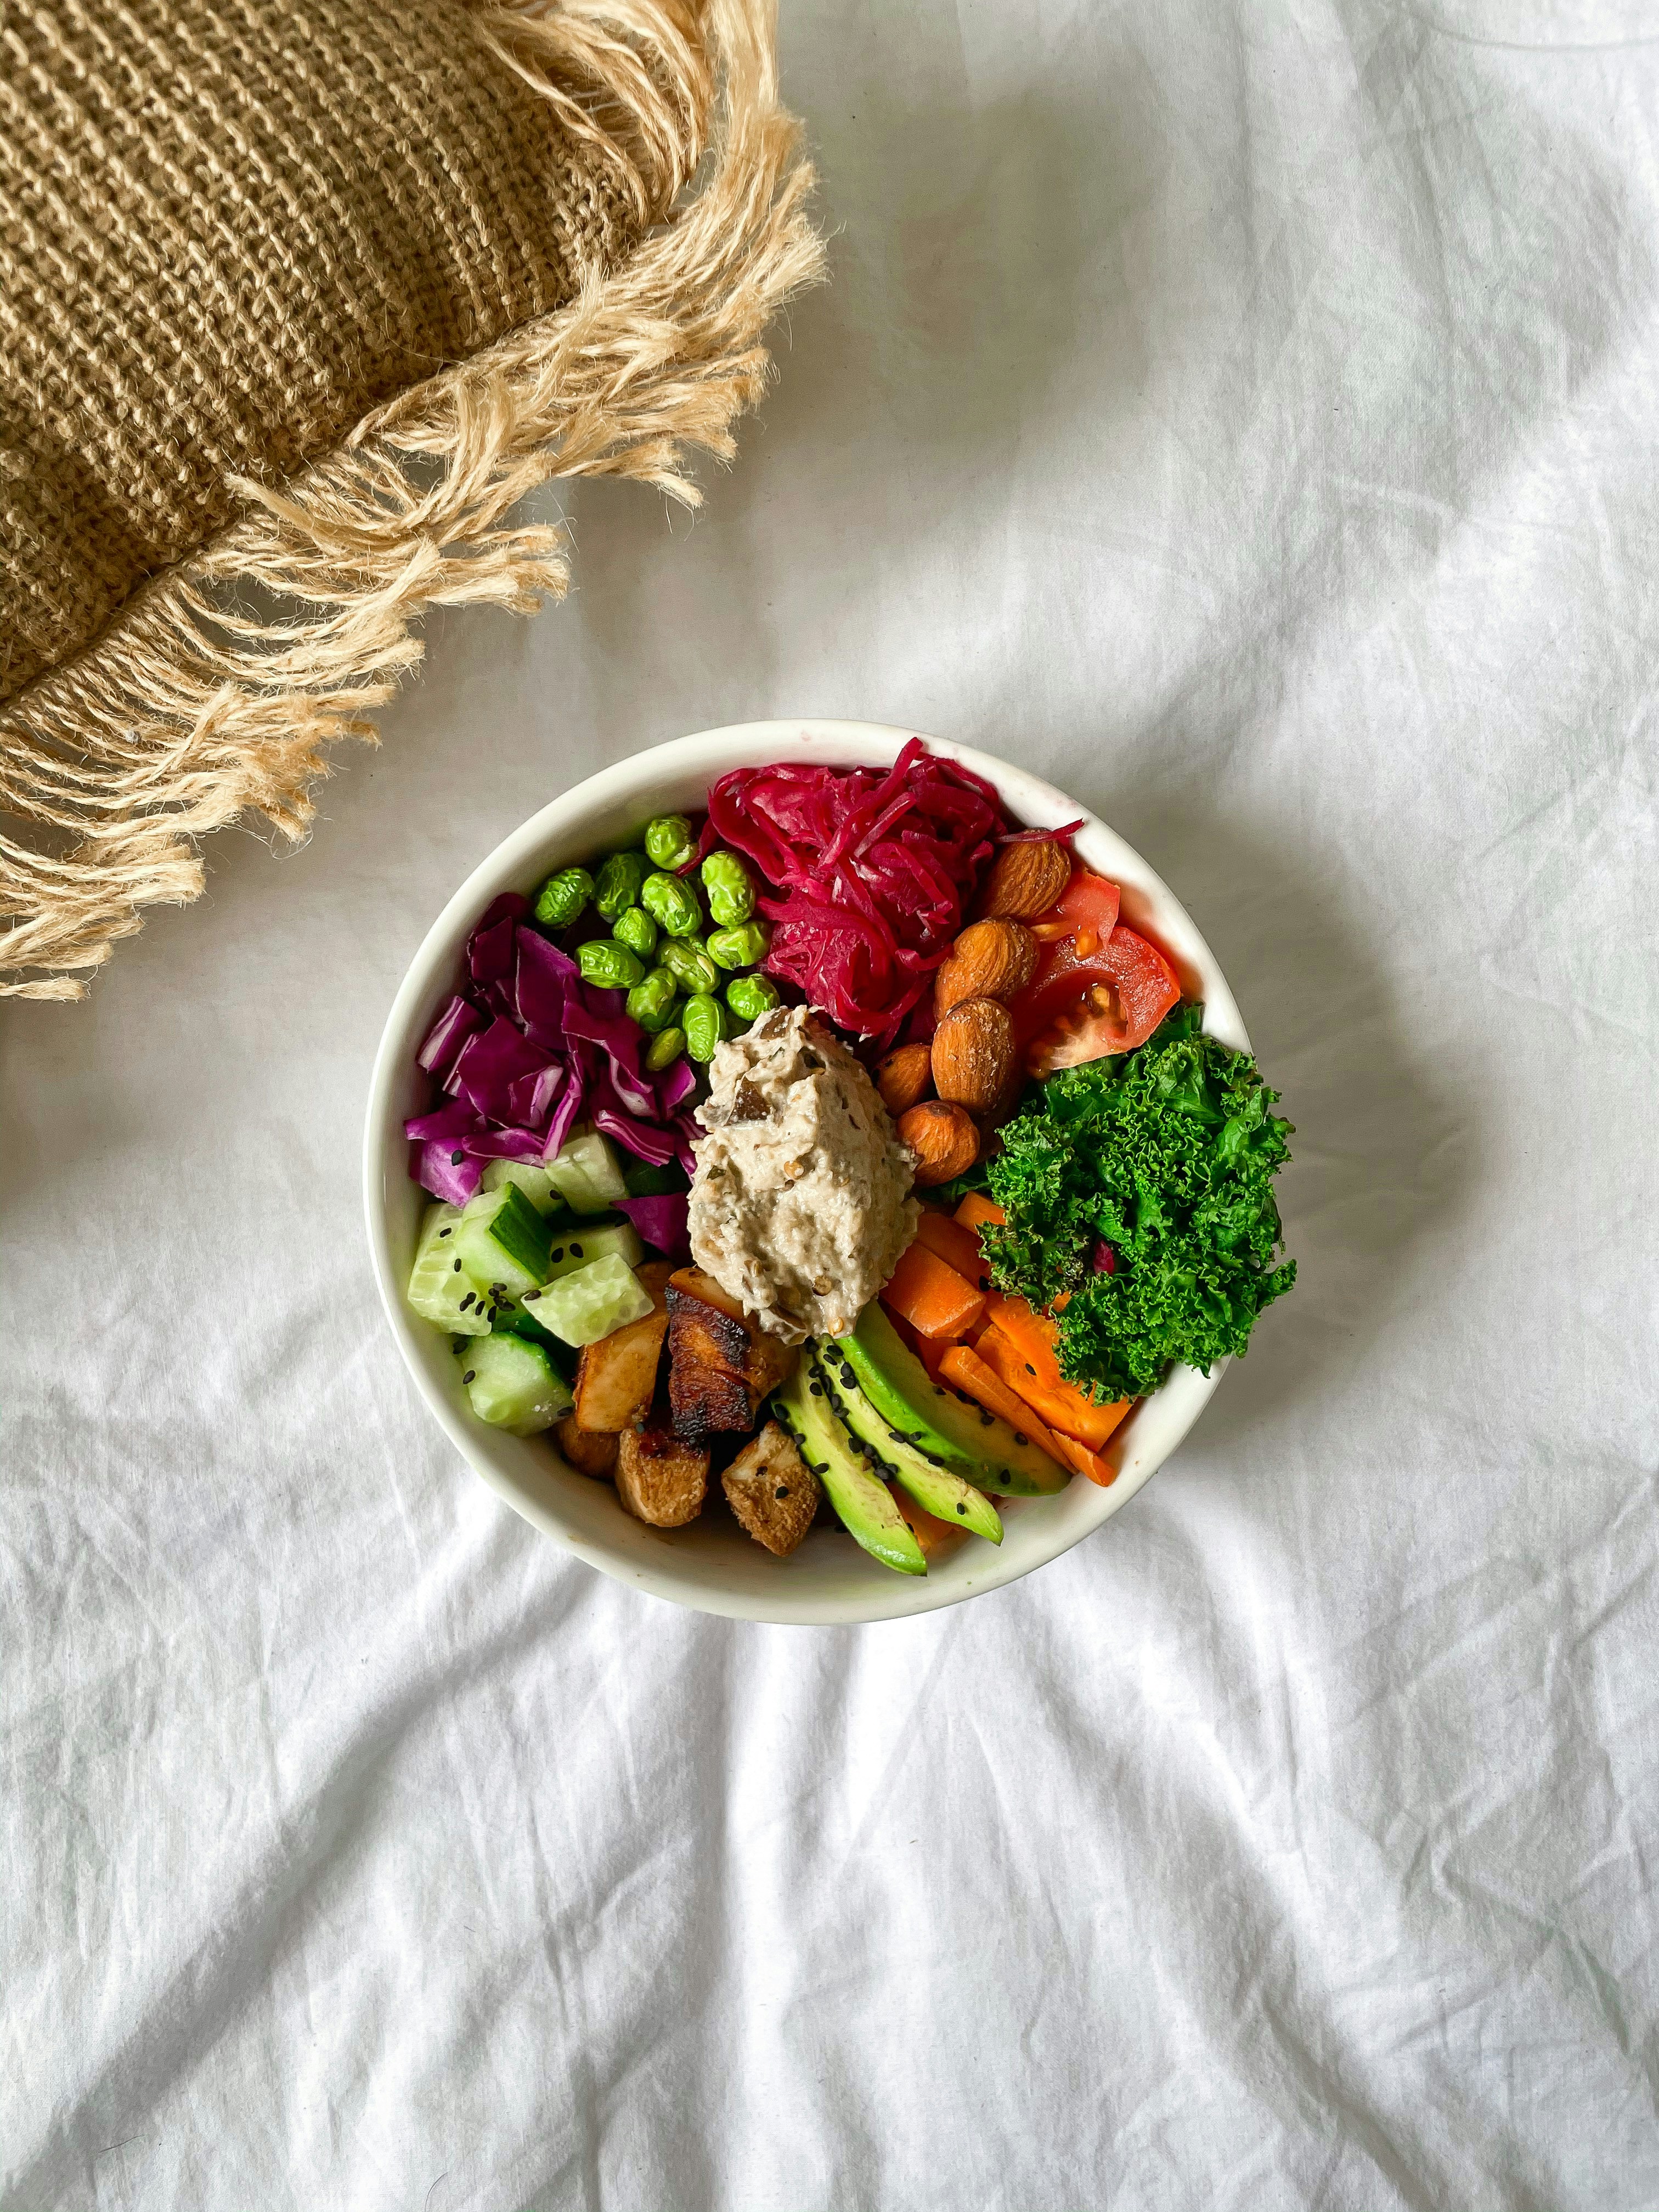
(1246,416)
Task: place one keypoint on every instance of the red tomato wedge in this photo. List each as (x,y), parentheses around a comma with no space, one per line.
(1099,987)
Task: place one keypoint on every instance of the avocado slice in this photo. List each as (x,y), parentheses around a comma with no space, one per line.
(946,1496)
(865,1504)
(941,1423)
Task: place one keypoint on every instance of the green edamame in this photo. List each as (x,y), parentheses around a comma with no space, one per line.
(688,964)
(619,883)
(751,996)
(610,965)
(669,842)
(562,897)
(672,902)
(635,928)
(650,1002)
(705,1022)
(739,947)
(729,887)
(664,1049)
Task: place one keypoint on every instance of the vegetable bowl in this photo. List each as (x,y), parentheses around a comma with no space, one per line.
(571,1270)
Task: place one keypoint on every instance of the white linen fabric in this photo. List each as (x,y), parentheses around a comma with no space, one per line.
(1245,415)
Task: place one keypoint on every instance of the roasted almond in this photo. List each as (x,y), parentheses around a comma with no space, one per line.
(974,1054)
(989,960)
(904,1077)
(942,1138)
(1025,880)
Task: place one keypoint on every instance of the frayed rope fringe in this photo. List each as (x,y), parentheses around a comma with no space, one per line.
(188,712)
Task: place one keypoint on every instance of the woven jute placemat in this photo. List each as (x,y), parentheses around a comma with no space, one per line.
(298,299)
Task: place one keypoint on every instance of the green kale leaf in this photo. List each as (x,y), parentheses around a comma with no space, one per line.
(1167,1154)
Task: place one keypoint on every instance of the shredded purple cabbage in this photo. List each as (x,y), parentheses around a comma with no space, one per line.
(661,1221)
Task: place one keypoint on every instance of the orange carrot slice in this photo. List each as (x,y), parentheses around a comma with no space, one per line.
(957,1247)
(1064,1408)
(964,1370)
(976,1210)
(1062,1405)
(928,1293)
(1086,1461)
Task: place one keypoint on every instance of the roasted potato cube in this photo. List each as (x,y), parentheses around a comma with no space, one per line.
(617,1377)
(585,1450)
(721,1363)
(659,1478)
(771,1489)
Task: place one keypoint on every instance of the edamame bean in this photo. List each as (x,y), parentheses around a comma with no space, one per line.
(729,887)
(562,897)
(669,842)
(610,965)
(635,928)
(650,1002)
(705,1022)
(664,1049)
(740,947)
(672,902)
(620,880)
(688,964)
(751,996)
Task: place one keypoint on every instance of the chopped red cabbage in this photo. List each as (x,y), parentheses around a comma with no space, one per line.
(454,1119)
(446,1037)
(447,1171)
(489,1063)
(529,1097)
(661,1221)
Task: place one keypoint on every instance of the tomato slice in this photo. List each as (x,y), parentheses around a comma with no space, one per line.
(1080,1008)
(1086,909)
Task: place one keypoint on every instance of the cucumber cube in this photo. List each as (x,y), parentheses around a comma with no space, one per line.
(597,1300)
(502,1241)
(575,1246)
(534,1182)
(587,1174)
(440,1291)
(511,1384)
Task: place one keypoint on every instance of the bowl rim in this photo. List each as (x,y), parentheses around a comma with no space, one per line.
(1141,1446)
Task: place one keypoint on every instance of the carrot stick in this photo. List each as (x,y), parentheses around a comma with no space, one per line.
(1060,1404)
(957,1247)
(976,1210)
(930,1296)
(964,1370)
(1087,1462)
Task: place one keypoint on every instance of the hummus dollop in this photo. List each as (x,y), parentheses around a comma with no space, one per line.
(800,1204)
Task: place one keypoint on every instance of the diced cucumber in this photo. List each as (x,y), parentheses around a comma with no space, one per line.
(579,1245)
(440,1289)
(503,1240)
(587,1173)
(534,1182)
(592,1303)
(514,1321)
(511,1384)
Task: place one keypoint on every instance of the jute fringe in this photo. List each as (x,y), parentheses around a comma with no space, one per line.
(191,709)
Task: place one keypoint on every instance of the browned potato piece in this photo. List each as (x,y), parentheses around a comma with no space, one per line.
(584,1449)
(658,1478)
(617,1377)
(721,1362)
(771,1489)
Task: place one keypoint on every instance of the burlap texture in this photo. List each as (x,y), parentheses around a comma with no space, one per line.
(308,293)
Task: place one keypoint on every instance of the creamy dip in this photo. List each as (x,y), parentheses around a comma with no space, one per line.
(800,1204)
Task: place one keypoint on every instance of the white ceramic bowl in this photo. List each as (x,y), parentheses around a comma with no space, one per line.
(712,1565)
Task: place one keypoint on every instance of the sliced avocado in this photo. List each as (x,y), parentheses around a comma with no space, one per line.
(865,1504)
(935,1489)
(940,1423)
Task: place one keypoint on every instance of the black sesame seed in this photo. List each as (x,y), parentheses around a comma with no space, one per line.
(1030,1369)
(470,1376)
(575,1251)
(782,1491)
(457,1268)
(455,1158)
(1019,1439)
(444,1232)
(986,1420)
(467,1300)
(961,1508)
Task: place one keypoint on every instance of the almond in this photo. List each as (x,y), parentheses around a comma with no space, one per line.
(1025,879)
(989,960)
(942,1138)
(974,1054)
(903,1077)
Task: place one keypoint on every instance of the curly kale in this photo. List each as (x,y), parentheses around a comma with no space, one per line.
(1167,1153)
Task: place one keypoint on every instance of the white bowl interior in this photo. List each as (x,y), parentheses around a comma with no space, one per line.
(713,1565)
